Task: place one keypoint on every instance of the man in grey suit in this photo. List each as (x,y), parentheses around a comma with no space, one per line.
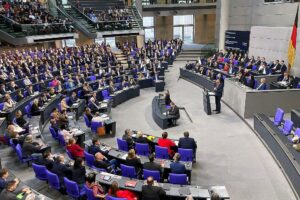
(152,192)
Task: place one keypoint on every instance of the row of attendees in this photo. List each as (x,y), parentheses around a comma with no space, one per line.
(112,14)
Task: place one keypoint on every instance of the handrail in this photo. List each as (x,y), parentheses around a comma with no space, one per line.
(74,7)
(12,21)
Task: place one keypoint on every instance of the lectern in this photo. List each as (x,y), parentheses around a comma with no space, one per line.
(206,101)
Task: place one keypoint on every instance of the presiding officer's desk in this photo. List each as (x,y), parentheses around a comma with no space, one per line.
(246,101)
(172,191)
(281,149)
(159,112)
(295,117)
(124,95)
(122,155)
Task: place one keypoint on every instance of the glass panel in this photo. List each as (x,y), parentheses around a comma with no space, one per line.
(99,41)
(70,43)
(111,41)
(148,21)
(149,34)
(177,32)
(183,19)
(188,34)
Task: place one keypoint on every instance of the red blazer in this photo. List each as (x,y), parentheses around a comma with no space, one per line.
(125,194)
(167,143)
(75,150)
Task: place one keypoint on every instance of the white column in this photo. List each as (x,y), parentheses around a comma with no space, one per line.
(223,23)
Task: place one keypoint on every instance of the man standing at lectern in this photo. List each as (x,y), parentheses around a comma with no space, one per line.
(218,95)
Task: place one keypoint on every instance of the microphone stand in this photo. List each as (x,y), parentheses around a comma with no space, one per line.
(187,114)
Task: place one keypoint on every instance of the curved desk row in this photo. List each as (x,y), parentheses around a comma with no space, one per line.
(172,191)
(159,112)
(124,95)
(122,155)
(198,79)
(286,156)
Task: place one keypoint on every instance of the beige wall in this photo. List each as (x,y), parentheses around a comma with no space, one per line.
(205,29)
(163,27)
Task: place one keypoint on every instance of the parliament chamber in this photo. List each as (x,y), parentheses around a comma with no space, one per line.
(149,100)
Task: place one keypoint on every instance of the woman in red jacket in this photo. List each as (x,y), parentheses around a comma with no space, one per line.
(116,192)
(75,149)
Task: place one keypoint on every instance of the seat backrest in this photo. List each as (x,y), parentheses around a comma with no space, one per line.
(153,173)
(179,179)
(104,93)
(89,193)
(89,159)
(186,154)
(142,149)
(19,152)
(1,106)
(288,125)
(53,180)
(72,188)
(28,110)
(278,116)
(86,120)
(114,198)
(61,138)
(161,152)
(128,171)
(122,144)
(53,132)
(70,155)
(40,171)
(297,132)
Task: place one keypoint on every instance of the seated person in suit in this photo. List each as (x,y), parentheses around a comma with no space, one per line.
(35,110)
(263,69)
(8,102)
(90,182)
(167,98)
(44,98)
(173,113)
(73,98)
(187,143)
(12,86)
(63,119)
(95,147)
(177,167)
(19,96)
(128,138)
(115,191)
(61,169)
(64,105)
(284,77)
(134,161)
(47,160)
(111,88)
(3,90)
(4,174)
(262,85)
(21,121)
(251,82)
(152,191)
(103,163)
(10,193)
(78,171)
(88,114)
(140,138)
(31,149)
(151,165)
(165,142)
(94,104)
(29,90)
(75,149)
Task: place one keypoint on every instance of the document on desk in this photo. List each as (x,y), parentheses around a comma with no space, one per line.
(164,113)
(211,93)
(124,156)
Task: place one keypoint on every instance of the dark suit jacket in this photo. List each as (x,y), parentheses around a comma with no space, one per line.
(78,175)
(174,111)
(152,193)
(187,143)
(177,168)
(142,140)
(262,87)
(152,166)
(219,90)
(61,170)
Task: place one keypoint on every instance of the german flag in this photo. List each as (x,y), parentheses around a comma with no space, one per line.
(293,41)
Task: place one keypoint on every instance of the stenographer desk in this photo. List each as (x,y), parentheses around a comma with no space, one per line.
(172,191)
(281,149)
(246,101)
(159,112)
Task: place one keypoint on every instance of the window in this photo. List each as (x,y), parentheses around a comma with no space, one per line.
(183,28)
(148,23)
(69,43)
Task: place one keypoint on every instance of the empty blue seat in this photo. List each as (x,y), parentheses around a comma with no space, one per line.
(105,95)
(142,149)
(161,152)
(87,121)
(122,144)
(128,171)
(53,133)
(278,116)
(179,179)
(40,172)
(22,158)
(72,189)
(186,154)
(287,127)
(53,180)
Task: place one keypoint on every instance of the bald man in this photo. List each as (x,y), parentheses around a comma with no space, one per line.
(151,192)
